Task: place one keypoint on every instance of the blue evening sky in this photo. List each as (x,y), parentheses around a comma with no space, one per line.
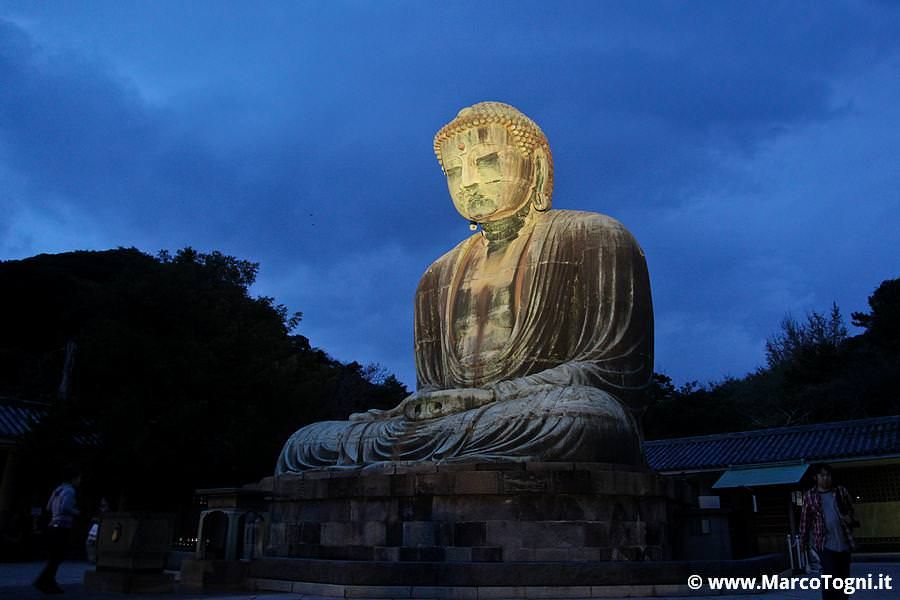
(753,148)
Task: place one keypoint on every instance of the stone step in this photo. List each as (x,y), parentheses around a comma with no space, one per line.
(399,553)
(546,573)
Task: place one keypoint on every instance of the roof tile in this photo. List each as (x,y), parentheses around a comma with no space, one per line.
(878,436)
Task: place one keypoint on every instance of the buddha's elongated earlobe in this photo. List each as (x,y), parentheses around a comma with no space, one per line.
(542,186)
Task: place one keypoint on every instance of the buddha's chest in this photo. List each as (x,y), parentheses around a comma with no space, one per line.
(485,305)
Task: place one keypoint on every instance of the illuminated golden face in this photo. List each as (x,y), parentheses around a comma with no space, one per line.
(489,178)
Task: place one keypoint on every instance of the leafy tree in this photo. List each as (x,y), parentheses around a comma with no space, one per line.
(818,335)
(882,323)
(691,409)
(178,378)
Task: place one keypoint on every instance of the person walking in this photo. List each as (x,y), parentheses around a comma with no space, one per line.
(63,510)
(826,521)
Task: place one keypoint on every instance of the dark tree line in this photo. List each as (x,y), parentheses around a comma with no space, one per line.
(815,372)
(163,373)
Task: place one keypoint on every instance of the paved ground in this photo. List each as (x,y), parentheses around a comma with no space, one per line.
(16,578)
(15,583)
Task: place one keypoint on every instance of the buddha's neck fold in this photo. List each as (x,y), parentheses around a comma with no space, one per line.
(505,230)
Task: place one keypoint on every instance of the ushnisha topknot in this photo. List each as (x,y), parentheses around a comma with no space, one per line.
(524,132)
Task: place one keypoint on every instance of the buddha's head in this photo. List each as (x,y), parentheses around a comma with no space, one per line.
(496,160)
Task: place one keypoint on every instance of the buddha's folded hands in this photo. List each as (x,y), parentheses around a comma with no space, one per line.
(440,403)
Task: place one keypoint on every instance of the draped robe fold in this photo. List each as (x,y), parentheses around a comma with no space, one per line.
(567,382)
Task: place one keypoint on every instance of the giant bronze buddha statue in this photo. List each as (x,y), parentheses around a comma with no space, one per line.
(533,337)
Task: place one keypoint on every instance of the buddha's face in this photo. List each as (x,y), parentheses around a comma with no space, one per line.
(489,178)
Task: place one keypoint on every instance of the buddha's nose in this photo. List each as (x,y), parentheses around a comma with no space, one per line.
(469,176)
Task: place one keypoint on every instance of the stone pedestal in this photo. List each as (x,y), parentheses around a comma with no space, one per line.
(502,530)
(498,512)
(231,532)
(232,527)
(131,554)
(134,541)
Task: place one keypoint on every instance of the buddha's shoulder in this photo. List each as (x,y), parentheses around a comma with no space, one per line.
(447,261)
(559,218)
(568,223)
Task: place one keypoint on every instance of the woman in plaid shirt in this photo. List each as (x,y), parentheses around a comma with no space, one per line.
(825,525)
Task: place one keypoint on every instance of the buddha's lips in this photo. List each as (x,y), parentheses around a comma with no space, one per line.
(477,201)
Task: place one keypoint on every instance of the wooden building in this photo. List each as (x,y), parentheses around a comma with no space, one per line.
(749,483)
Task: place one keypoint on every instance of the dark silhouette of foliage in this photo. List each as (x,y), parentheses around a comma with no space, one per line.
(185,378)
(691,409)
(819,335)
(882,324)
(815,373)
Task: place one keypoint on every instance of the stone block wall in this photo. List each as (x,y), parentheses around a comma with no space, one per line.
(503,512)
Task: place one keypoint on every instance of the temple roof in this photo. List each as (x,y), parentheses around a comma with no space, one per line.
(18,416)
(878,437)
